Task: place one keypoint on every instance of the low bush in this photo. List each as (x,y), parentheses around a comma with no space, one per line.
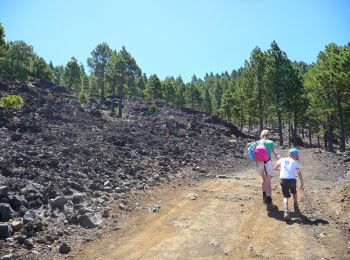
(152,108)
(12,101)
(82,97)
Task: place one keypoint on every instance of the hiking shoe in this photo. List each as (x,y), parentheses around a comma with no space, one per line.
(296,208)
(286,216)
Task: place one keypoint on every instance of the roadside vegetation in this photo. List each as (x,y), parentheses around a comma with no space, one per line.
(297,100)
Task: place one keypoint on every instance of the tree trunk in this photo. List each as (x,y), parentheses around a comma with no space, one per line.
(302,130)
(341,126)
(318,141)
(113,97)
(261,109)
(310,141)
(241,123)
(330,134)
(325,138)
(280,133)
(120,101)
(249,125)
(294,133)
(102,86)
(289,130)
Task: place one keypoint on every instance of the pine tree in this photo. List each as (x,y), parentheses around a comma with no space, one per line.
(98,64)
(154,88)
(73,76)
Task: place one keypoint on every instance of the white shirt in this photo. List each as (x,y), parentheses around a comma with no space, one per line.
(288,168)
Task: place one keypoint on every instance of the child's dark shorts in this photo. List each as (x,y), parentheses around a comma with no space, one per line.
(288,186)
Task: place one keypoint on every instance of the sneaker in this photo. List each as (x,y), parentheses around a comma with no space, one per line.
(296,208)
(286,216)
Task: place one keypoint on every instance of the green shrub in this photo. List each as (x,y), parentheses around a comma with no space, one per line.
(12,101)
(152,108)
(82,97)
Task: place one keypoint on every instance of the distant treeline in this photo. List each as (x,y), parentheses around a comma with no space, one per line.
(269,90)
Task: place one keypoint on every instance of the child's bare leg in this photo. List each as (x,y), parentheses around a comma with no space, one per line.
(295,198)
(285,203)
(286,214)
(296,206)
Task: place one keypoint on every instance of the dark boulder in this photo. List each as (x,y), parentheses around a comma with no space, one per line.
(15,201)
(6,212)
(64,248)
(5,231)
(4,190)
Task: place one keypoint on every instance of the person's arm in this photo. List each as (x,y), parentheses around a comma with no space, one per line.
(275,153)
(277,166)
(301,178)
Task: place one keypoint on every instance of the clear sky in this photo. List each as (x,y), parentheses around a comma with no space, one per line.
(177,37)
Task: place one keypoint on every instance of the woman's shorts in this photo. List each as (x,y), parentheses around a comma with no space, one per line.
(265,168)
(288,186)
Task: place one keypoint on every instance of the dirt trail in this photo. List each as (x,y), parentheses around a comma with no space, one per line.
(226,221)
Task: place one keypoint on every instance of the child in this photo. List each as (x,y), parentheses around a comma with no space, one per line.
(288,167)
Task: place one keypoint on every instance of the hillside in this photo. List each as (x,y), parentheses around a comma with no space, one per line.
(63,163)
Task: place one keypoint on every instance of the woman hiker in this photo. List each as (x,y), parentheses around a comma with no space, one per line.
(265,169)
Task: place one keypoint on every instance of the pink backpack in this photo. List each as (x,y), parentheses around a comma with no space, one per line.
(261,154)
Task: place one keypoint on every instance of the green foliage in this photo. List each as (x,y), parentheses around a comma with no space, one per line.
(192,94)
(169,89)
(207,105)
(41,70)
(138,90)
(152,108)
(217,94)
(268,89)
(58,73)
(82,97)
(328,85)
(3,45)
(121,70)
(153,88)
(98,60)
(180,87)
(282,84)
(17,61)
(73,76)
(12,101)
(227,104)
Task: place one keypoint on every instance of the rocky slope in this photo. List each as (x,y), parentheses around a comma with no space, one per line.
(62,163)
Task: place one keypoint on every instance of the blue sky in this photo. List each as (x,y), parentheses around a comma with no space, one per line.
(177,37)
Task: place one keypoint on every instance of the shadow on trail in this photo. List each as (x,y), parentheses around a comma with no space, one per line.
(296,218)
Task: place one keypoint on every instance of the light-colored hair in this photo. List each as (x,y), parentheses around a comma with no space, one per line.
(265,134)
